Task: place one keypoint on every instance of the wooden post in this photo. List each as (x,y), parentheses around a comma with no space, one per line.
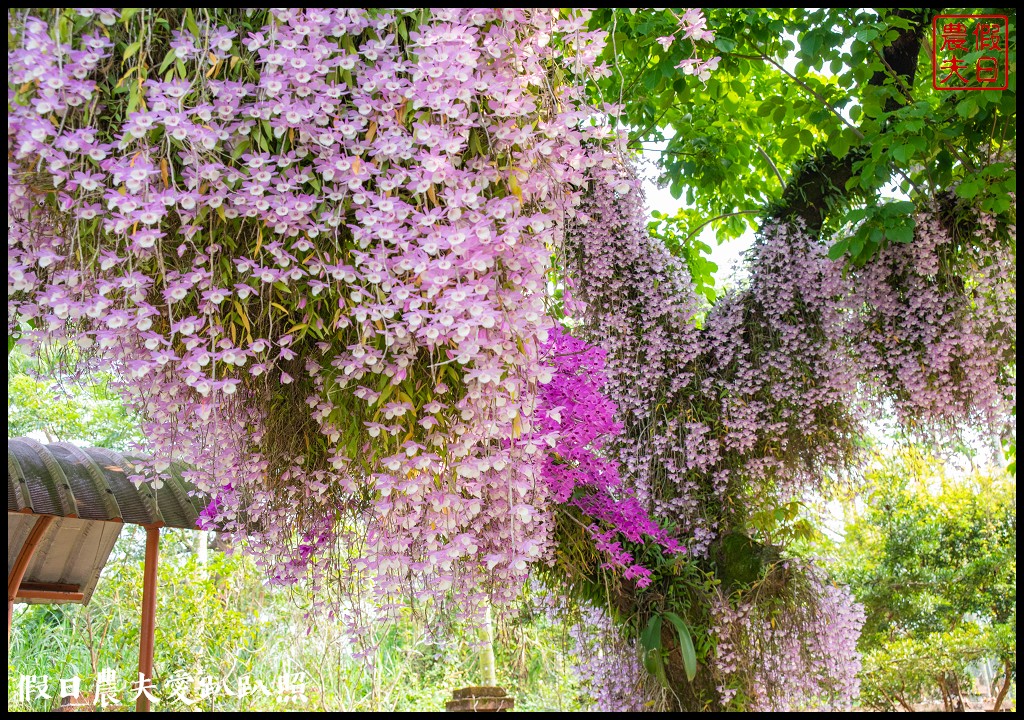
(147,633)
(14,577)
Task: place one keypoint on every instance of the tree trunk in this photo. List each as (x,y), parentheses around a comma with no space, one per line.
(958,704)
(899,700)
(1007,679)
(947,705)
(904,704)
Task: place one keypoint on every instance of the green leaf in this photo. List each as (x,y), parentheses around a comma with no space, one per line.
(131,49)
(809,45)
(968,107)
(839,144)
(650,642)
(190,23)
(239,149)
(901,234)
(133,97)
(725,44)
(900,208)
(838,250)
(385,392)
(791,146)
(968,189)
(901,153)
(685,645)
(168,59)
(650,638)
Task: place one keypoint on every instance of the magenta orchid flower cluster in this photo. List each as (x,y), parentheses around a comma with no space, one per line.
(577,420)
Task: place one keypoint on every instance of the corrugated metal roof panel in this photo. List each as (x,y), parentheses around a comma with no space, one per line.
(65,480)
(89,492)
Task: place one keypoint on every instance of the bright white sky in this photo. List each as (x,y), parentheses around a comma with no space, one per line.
(727,255)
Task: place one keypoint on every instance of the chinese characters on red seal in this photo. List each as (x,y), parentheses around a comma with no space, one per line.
(970,52)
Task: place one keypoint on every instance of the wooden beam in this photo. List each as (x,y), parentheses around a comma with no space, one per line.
(54,595)
(51,587)
(17,573)
(147,633)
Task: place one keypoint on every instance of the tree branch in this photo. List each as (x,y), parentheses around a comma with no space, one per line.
(817,96)
(820,183)
(771,164)
(719,217)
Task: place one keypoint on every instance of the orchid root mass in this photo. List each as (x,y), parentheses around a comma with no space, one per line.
(381,280)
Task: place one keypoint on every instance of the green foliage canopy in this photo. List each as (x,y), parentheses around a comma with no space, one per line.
(934,563)
(824,92)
